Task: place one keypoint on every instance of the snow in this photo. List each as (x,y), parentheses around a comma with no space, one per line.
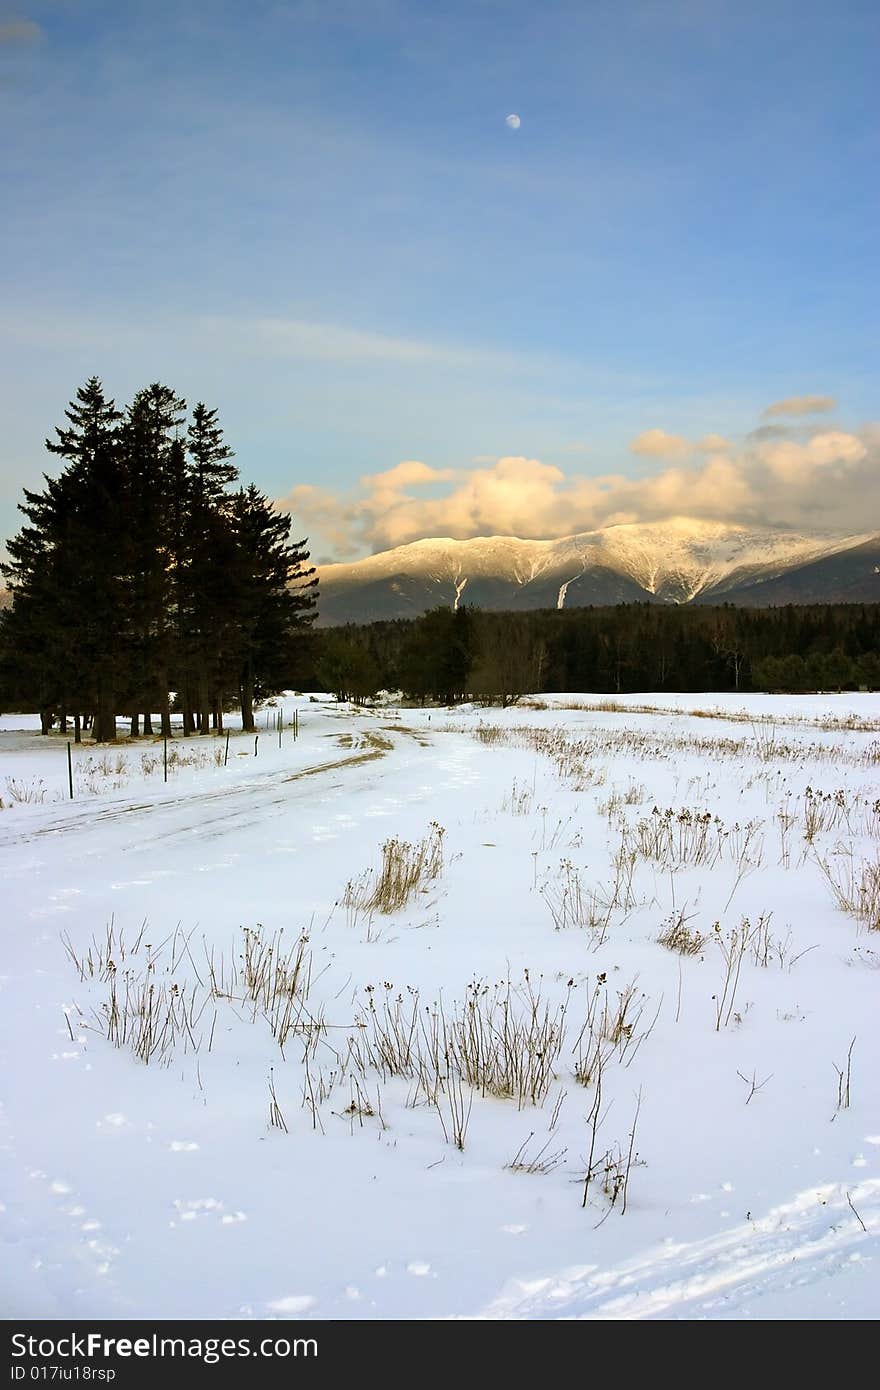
(680,557)
(149,1191)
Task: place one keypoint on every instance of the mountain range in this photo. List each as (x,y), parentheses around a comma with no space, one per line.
(680,561)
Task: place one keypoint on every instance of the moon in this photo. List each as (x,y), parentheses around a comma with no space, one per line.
(513,121)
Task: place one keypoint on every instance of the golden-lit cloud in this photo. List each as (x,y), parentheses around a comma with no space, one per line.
(658,444)
(800,405)
(830,479)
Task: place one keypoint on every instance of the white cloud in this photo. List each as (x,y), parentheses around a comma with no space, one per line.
(831,479)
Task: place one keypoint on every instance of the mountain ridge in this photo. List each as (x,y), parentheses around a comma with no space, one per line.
(680,561)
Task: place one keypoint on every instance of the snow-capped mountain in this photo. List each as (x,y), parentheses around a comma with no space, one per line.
(677,561)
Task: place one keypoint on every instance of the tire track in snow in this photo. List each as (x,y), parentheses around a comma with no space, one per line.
(252,794)
(798,1242)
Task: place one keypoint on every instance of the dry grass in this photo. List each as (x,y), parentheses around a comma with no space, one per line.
(573,904)
(540,1162)
(505,1042)
(855,886)
(519,801)
(94,776)
(611,1169)
(682,838)
(676,935)
(832,723)
(158,1001)
(572,754)
(611,1031)
(632,795)
(734,946)
(26,793)
(406,870)
(844,1080)
(501,1042)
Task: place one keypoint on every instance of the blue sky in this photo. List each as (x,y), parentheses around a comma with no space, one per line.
(314,216)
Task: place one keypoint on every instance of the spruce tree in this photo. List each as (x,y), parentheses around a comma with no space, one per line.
(208,550)
(273,597)
(148,434)
(64,568)
(137,572)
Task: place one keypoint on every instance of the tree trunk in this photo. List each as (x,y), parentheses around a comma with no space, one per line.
(46,720)
(64,721)
(148,723)
(166,714)
(205,708)
(77,729)
(135,725)
(104,729)
(247,700)
(186,704)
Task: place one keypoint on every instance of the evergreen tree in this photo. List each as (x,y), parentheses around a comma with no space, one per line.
(272,599)
(68,567)
(207,551)
(137,573)
(148,434)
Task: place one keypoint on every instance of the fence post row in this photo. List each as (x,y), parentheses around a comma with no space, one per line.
(277,716)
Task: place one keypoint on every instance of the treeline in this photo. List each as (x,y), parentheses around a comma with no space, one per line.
(448,655)
(142,573)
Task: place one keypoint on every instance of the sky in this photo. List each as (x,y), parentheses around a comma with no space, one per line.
(656,296)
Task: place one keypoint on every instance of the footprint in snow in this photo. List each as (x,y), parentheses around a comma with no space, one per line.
(198,1206)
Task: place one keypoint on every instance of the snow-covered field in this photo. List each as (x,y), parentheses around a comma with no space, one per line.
(289,1147)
